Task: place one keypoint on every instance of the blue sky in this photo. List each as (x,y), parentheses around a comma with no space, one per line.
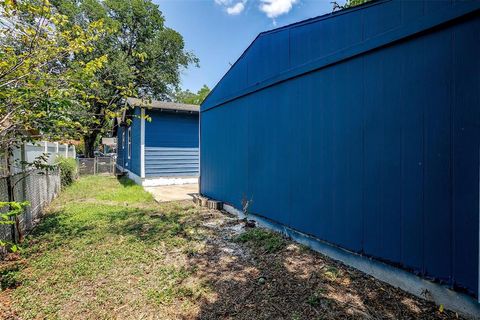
(218,31)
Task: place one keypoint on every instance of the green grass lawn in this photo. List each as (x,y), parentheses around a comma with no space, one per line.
(106,250)
(103,245)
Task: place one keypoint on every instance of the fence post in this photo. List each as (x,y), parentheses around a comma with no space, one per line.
(45,147)
(11,195)
(74,152)
(47,179)
(94,165)
(56,148)
(23,157)
(66,151)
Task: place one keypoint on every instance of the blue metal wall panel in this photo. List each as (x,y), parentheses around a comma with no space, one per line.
(286,52)
(382,18)
(412,161)
(336,34)
(378,153)
(437,148)
(263,61)
(223,131)
(465,150)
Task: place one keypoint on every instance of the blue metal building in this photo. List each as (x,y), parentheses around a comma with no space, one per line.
(362,129)
(157,142)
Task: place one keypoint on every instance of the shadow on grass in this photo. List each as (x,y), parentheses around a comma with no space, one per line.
(258,276)
(126,182)
(273,279)
(150,225)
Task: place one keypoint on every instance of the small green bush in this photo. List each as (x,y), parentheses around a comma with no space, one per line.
(68,170)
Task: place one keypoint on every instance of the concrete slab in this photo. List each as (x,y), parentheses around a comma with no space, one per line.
(173,192)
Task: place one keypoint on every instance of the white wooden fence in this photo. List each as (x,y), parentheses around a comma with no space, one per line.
(30,151)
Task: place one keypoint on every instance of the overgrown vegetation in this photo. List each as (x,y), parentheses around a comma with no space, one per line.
(68,170)
(263,240)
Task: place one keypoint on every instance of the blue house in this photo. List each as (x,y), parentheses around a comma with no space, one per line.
(157,142)
(359,129)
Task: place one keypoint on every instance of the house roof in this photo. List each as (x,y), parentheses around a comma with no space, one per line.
(163,105)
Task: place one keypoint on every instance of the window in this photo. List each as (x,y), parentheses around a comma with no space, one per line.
(129,142)
(123,139)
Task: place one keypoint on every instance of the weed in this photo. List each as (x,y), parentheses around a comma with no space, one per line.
(315,299)
(262,239)
(10,277)
(332,273)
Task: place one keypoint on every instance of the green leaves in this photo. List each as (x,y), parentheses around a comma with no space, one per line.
(14,209)
(36,84)
(143,57)
(193,98)
(7,218)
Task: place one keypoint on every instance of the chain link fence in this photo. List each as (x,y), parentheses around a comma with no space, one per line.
(97,165)
(39,188)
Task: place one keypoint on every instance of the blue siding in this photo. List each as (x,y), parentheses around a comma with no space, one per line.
(120,151)
(171,144)
(168,162)
(176,130)
(132,164)
(377,153)
(136,135)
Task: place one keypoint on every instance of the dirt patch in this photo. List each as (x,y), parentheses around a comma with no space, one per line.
(6,311)
(251,281)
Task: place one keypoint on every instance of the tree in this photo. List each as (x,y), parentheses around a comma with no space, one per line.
(145,58)
(192,98)
(36,85)
(36,93)
(348,4)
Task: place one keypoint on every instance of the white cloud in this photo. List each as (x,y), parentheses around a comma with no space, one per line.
(236,8)
(275,8)
(232,7)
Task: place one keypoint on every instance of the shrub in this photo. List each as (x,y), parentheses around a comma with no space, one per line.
(68,170)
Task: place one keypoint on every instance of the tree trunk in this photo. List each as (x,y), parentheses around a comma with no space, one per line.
(89,141)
